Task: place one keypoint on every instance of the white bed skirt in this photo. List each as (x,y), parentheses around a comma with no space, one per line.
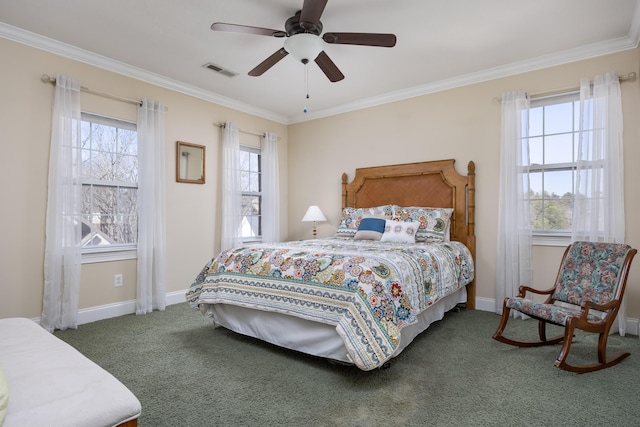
(315,338)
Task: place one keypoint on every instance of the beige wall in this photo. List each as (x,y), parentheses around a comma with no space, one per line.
(193,219)
(463,124)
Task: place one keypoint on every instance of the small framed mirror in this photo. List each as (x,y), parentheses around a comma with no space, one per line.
(190,163)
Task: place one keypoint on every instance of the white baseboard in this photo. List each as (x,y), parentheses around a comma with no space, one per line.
(633,326)
(101,312)
(486,304)
(107,311)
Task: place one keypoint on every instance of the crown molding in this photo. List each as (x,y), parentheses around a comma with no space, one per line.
(37,41)
(631,41)
(533,64)
(590,51)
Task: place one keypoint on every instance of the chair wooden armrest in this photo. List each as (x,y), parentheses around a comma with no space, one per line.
(590,305)
(585,308)
(524,289)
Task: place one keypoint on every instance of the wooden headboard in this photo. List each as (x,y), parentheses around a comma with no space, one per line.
(430,184)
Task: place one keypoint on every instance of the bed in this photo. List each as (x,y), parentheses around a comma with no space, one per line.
(46,382)
(359,297)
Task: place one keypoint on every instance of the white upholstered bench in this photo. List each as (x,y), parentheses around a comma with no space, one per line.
(50,383)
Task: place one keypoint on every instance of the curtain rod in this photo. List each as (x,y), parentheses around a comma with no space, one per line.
(47,79)
(262,135)
(624,78)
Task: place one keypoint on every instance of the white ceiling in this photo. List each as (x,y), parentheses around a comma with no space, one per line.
(440,44)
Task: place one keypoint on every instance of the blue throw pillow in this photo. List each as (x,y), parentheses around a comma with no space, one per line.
(370,229)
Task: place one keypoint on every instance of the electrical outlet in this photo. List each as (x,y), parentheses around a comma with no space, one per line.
(117,280)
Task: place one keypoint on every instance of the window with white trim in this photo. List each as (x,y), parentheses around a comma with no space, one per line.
(251,187)
(109,184)
(553,140)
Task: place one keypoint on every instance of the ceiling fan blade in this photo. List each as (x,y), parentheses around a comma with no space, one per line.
(328,67)
(221,26)
(312,11)
(362,39)
(268,63)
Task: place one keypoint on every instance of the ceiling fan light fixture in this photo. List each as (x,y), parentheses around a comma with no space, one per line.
(303,41)
(304,47)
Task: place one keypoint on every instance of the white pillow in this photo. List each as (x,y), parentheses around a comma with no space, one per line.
(4,396)
(400,231)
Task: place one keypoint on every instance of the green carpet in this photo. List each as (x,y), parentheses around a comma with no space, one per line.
(186,373)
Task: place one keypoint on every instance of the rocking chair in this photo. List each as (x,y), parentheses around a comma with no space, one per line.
(592,276)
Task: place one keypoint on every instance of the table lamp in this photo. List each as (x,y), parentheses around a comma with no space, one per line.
(314,214)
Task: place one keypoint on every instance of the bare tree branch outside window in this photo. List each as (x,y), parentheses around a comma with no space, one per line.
(110,182)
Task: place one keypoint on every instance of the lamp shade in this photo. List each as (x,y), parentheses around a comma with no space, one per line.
(313,214)
(304,47)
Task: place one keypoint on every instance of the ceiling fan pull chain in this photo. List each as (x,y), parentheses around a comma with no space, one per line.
(306,83)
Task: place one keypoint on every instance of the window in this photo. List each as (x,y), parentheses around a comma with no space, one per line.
(109,184)
(553,140)
(251,187)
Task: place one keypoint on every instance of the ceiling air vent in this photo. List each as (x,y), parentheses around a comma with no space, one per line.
(219,69)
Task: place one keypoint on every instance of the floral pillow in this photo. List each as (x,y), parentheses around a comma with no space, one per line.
(400,231)
(434,222)
(351,218)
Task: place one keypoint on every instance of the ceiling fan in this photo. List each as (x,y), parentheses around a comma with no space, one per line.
(303,41)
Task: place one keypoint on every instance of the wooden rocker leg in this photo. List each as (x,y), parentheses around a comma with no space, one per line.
(542,334)
(542,330)
(498,336)
(602,354)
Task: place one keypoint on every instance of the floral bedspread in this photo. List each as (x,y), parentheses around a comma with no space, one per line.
(370,290)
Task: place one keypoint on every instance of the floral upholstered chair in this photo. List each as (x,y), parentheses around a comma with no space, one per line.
(586,296)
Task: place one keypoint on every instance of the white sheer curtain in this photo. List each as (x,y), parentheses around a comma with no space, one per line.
(598,211)
(598,208)
(231,235)
(270,189)
(62,256)
(513,262)
(151,292)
